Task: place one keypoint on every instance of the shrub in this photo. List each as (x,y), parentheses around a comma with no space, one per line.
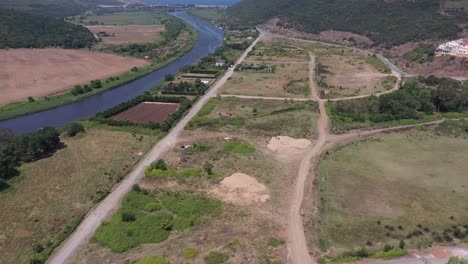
(457,260)
(152,260)
(72,129)
(128,217)
(159,165)
(362,253)
(275,242)
(216,258)
(169,77)
(189,253)
(392,253)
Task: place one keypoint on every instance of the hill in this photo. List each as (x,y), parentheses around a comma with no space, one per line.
(24,30)
(56,8)
(385,22)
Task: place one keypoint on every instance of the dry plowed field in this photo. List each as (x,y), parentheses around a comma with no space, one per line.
(129,33)
(147,112)
(42,72)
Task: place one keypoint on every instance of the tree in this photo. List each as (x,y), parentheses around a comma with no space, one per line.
(169,77)
(73,128)
(402,244)
(8,161)
(208,167)
(159,165)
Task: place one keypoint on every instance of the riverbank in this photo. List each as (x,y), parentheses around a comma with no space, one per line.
(17,109)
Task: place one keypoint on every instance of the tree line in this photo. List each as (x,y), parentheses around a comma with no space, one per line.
(416,98)
(23,30)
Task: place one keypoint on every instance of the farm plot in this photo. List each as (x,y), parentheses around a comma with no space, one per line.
(407,186)
(278,50)
(147,112)
(124,18)
(22,74)
(287,80)
(346,73)
(116,35)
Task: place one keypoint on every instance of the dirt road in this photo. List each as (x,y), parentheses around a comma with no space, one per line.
(112,202)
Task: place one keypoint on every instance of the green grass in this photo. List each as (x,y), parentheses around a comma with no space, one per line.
(180,211)
(189,209)
(189,253)
(393,253)
(215,258)
(275,242)
(152,260)
(259,117)
(211,14)
(183,173)
(373,60)
(238,146)
(405,186)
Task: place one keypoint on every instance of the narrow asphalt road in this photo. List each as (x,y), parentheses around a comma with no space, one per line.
(111,203)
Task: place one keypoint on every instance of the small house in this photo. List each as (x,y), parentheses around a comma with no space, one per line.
(220,63)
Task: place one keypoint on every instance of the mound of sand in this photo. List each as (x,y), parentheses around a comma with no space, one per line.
(242,189)
(281,143)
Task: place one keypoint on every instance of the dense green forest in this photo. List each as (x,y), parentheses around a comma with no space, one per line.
(23,30)
(386,22)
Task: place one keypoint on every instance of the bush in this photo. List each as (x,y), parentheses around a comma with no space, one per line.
(392,253)
(72,129)
(275,242)
(189,253)
(152,260)
(216,258)
(169,77)
(128,217)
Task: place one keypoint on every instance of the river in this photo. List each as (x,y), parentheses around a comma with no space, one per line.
(209,38)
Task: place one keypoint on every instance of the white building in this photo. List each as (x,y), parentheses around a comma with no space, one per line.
(455,48)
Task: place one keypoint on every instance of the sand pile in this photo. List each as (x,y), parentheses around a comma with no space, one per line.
(242,189)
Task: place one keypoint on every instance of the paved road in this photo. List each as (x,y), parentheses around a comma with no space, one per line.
(111,203)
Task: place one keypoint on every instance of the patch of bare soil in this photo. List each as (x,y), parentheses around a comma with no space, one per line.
(241,189)
(439,66)
(42,72)
(277,26)
(116,35)
(288,149)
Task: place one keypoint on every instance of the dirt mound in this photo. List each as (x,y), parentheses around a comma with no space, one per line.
(242,189)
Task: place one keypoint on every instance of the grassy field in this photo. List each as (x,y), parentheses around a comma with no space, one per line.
(53,192)
(342,72)
(264,118)
(407,186)
(122,34)
(287,80)
(126,18)
(278,50)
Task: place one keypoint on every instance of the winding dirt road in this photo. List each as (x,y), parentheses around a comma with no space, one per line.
(111,203)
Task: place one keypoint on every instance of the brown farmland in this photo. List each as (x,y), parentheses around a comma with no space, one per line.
(129,33)
(147,112)
(42,72)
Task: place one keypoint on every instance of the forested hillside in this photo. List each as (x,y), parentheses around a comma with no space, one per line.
(385,22)
(56,8)
(23,30)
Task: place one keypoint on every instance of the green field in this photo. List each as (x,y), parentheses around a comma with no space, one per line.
(210,14)
(126,18)
(149,218)
(51,194)
(407,186)
(265,118)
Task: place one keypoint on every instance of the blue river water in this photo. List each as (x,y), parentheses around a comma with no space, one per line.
(209,38)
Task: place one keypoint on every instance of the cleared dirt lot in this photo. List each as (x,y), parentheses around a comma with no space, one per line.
(128,33)
(148,112)
(42,72)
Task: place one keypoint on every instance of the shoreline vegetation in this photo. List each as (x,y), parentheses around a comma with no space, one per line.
(32,105)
